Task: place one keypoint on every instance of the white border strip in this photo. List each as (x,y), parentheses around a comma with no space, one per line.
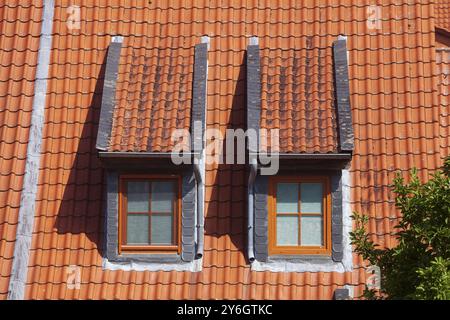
(194,266)
(24,231)
(347,259)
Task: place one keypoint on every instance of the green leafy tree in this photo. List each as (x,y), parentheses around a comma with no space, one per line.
(419,266)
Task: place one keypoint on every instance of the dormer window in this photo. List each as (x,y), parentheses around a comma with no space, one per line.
(299,215)
(154,204)
(149,213)
(296,220)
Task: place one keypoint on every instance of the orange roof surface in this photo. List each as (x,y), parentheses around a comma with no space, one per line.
(154,89)
(442,11)
(443,64)
(19,43)
(298,95)
(399,122)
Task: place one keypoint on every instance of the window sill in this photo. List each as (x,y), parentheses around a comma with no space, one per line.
(148,250)
(301,258)
(301,263)
(151,262)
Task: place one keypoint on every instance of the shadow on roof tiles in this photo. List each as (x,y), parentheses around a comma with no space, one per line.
(81,208)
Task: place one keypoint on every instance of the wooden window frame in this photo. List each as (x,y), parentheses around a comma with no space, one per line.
(274,249)
(123,213)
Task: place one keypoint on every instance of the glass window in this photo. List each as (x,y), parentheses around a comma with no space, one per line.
(149,213)
(287,197)
(137,229)
(162,196)
(287,230)
(311,234)
(137,196)
(162,226)
(300,220)
(312,197)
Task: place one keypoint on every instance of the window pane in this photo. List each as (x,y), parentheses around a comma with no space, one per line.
(311,197)
(287,197)
(161,229)
(137,229)
(287,230)
(162,196)
(312,234)
(137,196)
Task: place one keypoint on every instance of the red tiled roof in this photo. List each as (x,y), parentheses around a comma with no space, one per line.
(19,40)
(443,67)
(298,95)
(154,89)
(396,115)
(442,12)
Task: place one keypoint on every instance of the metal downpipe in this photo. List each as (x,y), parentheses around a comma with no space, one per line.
(200,216)
(251,196)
